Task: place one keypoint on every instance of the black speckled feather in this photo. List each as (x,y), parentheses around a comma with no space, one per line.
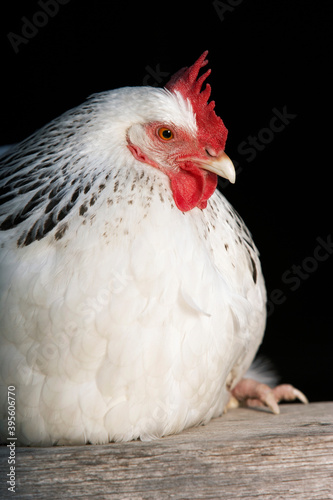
(43,177)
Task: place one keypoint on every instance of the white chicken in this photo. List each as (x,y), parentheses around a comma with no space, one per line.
(132,300)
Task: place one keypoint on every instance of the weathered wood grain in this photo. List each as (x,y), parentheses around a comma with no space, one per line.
(246,454)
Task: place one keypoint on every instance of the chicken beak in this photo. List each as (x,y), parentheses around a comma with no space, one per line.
(221,166)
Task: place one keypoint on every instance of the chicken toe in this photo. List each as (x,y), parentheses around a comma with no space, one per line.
(251,393)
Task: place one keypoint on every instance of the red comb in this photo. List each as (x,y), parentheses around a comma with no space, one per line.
(211,129)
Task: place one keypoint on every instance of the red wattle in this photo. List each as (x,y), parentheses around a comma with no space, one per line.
(191,187)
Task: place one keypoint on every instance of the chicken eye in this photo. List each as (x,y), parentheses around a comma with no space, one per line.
(165,134)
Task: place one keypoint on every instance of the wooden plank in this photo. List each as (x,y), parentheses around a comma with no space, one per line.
(246,454)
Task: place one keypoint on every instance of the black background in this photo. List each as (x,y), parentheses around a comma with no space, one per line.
(264,56)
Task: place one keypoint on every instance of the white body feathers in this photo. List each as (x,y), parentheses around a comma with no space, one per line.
(121,316)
